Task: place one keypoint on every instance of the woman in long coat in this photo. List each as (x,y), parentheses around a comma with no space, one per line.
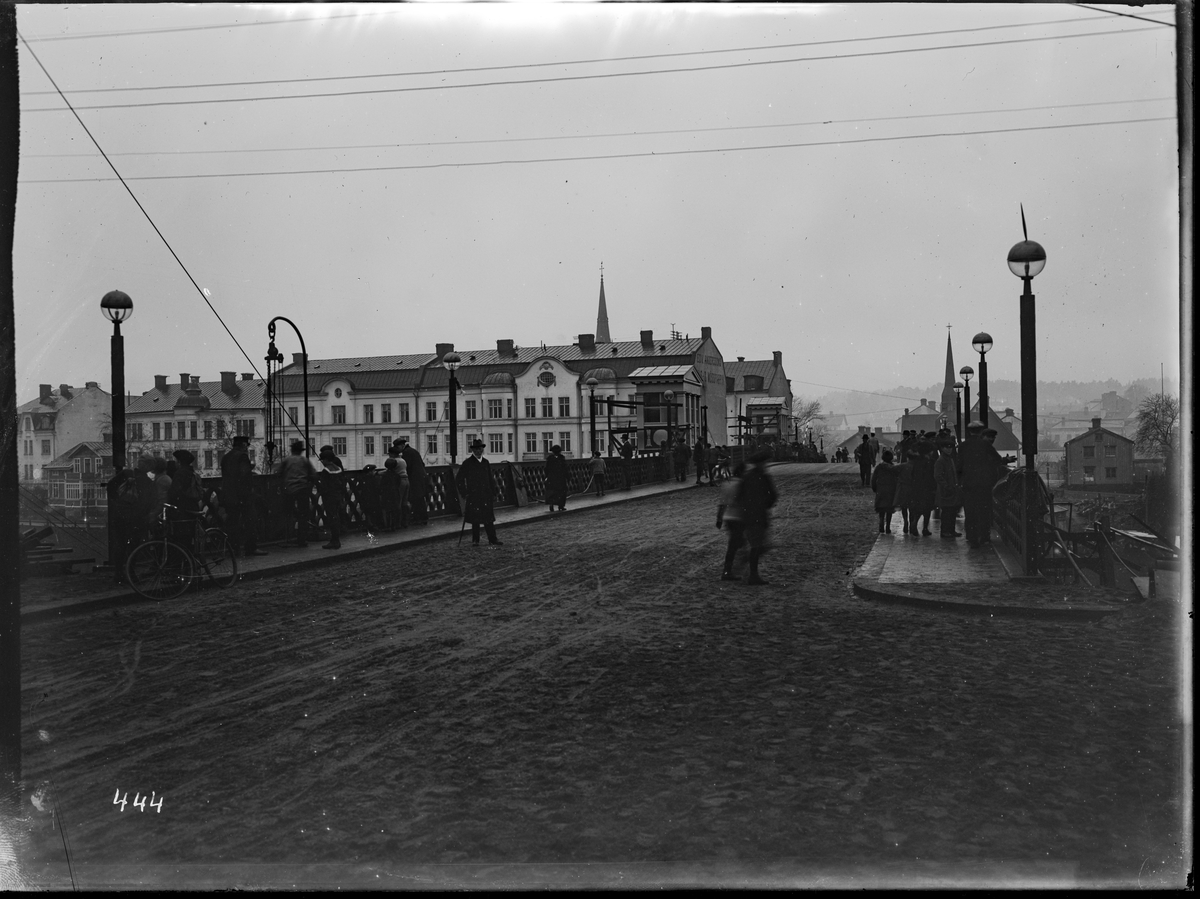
(556,479)
(924,490)
(474,482)
(949,497)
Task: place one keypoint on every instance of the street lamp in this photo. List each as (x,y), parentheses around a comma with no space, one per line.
(958,389)
(117,307)
(966,373)
(982,343)
(591,385)
(452,361)
(669,396)
(272,351)
(1026,260)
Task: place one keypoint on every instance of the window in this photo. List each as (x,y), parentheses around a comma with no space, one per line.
(156,430)
(220,457)
(652,411)
(495,409)
(495,444)
(531,441)
(547,441)
(339,415)
(385,441)
(1089,452)
(208,459)
(1110,450)
(510,443)
(245,427)
(220,427)
(752,382)
(564,440)
(312,415)
(192,429)
(471,407)
(292,413)
(339,445)
(600,442)
(76,465)
(368,416)
(547,407)
(73,491)
(208,428)
(28,447)
(402,411)
(431,411)
(508,404)
(385,413)
(1110,472)
(530,407)
(446,410)
(87,465)
(368,446)
(564,407)
(55,490)
(729,388)
(45,447)
(1089,473)
(168,430)
(431,444)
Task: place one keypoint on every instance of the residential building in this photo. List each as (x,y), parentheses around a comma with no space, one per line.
(1099,458)
(202,417)
(75,480)
(60,418)
(758,400)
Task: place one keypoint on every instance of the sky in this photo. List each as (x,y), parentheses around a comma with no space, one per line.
(838,182)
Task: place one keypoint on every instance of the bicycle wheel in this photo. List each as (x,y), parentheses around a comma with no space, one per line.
(158,569)
(218,558)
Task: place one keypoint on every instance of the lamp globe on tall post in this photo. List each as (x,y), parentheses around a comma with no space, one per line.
(452,361)
(958,389)
(1026,260)
(116,307)
(669,396)
(591,386)
(966,373)
(982,342)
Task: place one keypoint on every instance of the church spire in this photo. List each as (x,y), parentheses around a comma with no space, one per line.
(602,315)
(948,394)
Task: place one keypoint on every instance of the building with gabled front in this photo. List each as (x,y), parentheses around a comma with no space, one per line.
(75,480)
(758,400)
(60,418)
(201,417)
(1099,458)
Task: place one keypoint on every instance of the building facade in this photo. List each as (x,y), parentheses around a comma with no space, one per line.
(75,480)
(519,400)
(59,419)
(1099,458)
(202,417)
(758,400)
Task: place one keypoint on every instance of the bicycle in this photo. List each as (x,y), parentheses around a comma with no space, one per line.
(164,566)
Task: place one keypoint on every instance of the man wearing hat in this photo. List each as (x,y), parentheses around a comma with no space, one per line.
(298,476)
(978,466)
(756,494)
(237,498)
(474,483)
(333,499)
(416,479)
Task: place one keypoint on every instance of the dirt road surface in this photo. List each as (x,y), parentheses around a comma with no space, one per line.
(591,692)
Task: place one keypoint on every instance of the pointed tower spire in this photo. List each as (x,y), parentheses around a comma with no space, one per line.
(948,388)
(602,315)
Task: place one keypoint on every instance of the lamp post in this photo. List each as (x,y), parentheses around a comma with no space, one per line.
(303,369)
(966,373)
(117,307)
(958,389)
(982,343)
(452,361)
(669,396)
(591,385)
(1026,260)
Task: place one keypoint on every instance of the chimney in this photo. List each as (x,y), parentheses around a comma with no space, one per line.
(647,338)
(160,383)
(90,384)
(741,358)
(505,348)
(924,401)
(1008,413)
(229,383)
(862,429)
(778,354)
(45,393)
(706,333)
(193,389)
(442,350)
(184,381)
(247,376)
(1095,424)
(297,358)
(587,343)
(905,411)
(64,390)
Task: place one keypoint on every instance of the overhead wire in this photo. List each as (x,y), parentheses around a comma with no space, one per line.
(589,77)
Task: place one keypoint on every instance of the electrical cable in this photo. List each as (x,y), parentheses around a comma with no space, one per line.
(602,156)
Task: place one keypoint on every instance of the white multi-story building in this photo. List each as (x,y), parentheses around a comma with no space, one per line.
(58,420)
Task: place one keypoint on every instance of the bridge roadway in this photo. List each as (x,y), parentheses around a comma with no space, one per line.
(590,705)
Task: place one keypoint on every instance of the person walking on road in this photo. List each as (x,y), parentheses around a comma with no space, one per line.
(729,515)
(699,454)
(883,482)
(948,496)
(474,482)
(756,496)
(681,454)
(903,498)
(332,496)
(865,457)
(556,479)
(599,471)
(298,477)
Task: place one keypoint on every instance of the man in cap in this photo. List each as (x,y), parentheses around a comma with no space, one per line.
(474,483)
(237,498)
(298,477)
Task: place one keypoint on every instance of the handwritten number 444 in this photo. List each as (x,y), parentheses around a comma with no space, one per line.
(139,801)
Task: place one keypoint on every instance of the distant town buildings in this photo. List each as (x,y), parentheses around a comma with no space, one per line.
(1099,458)
(75,480)
(57,421)
(758,398)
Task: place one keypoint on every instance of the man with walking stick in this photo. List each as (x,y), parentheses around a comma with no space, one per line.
(474,482)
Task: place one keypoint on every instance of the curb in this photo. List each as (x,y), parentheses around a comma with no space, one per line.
(870,589)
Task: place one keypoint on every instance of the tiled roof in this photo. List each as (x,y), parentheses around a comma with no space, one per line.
(660,371)
(765,400)
(763,368)
(249,398)
(104,450)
